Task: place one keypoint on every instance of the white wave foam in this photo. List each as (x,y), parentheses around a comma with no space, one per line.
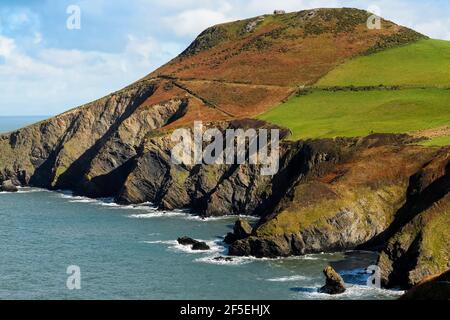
(309,257)
(109,204)
(353,292)
(215,247)
(173,245)
(168,242)
(155,214)
(233,261)
(288,279)
(82,201)
(25,190)
(31,190)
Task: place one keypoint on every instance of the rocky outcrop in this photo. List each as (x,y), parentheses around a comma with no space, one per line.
(211,190)
(334,283)
(8,186)
(241,230)
(186,241)
(344,198)
(200,246)
(392,198)
(432,288)
(417,243)
(195,244)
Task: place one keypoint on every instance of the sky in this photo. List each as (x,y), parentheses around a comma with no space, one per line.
(49,63)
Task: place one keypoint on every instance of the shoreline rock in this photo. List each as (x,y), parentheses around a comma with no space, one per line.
(200,246)
(241,230)
(8,186)
(433,288)
(334,282)
(186,241)
(195,244)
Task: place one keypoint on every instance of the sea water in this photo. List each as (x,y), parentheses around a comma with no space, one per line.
(131,252)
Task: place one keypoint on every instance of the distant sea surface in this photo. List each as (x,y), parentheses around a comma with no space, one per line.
(131,252)
(8,124)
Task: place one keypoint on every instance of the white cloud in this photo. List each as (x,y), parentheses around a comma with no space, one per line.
(439,29)
(7,46)
(192,22)
(203,14)
(37,39)
(56,79)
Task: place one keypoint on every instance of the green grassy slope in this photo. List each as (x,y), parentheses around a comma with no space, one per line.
(425,63)
(420,70)
(323,114)
(437,142)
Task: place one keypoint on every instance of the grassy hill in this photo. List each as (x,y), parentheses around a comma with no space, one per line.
(324,114)
(425,63)
(288,49)
(399,90)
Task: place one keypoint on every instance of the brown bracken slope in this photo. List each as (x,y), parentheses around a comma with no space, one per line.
(245,67)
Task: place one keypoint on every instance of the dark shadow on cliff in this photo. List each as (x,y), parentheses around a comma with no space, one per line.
(108,184)
(416,203)
(43,175)
(75,174)
(295,167)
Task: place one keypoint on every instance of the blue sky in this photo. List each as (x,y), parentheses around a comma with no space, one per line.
(46,68)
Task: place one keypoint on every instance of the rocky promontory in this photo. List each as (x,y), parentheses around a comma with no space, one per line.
(381,192)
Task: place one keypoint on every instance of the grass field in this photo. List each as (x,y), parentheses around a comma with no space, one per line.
(323,114)
(438,142)
(425,63)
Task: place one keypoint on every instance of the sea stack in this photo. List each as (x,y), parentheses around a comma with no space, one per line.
(334,282)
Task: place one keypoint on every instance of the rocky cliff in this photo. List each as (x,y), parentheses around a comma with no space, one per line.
(368,194)
(379,192)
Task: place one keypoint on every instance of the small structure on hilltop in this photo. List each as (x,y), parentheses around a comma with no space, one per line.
(279,12)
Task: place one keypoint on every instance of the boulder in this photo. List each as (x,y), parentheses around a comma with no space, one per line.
(334,282)
(8,186)
(186,241)
(200,246)
(195,244)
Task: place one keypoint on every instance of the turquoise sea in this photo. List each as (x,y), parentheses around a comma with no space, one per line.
(130,252)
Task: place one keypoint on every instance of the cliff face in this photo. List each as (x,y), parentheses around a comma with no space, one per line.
(378,192)
(88,142)
(376,195)
(436,287)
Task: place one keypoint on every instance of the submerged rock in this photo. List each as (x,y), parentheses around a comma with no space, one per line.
(200,246)
(227,259)
(186,241)
(195,244)
(8,186)
(334,282)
